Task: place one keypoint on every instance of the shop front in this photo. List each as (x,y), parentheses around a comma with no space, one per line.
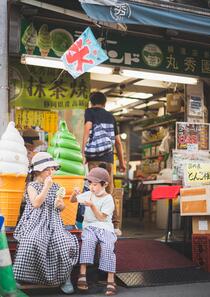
(158,90)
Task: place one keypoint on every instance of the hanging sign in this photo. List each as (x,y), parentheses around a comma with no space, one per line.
(197,173)
(45,120)
(192,135)
(36,87)
(83,54)
(148,53)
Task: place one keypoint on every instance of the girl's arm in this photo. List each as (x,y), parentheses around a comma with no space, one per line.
(38,199)
(73,197)
(98,214)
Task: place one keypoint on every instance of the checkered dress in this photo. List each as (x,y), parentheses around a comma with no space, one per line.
(46,252)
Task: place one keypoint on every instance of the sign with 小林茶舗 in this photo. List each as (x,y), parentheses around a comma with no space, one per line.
(44,88)
(197,173)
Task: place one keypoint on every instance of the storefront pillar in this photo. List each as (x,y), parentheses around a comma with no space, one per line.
(3,67)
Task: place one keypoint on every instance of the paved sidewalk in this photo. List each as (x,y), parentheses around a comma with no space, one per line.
(185,290)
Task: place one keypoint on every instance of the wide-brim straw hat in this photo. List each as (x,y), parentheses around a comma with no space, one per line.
(42,161)
(31,136)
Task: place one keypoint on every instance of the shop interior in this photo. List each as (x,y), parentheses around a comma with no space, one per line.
(146,111)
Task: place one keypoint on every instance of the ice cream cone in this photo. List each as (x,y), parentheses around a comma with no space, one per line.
(44,52)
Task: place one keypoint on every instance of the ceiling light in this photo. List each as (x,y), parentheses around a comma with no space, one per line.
(42,61)
(58,63)
(123,136)
(144,105)
(139,95)
(159,76)
(101,70)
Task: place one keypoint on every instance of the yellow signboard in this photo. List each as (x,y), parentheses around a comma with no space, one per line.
(197,173)
(45,120)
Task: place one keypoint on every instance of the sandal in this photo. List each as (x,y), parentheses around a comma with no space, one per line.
(82,284)
(111,289)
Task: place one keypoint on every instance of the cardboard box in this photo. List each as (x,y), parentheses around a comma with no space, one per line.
(201,225)
(195,201)
(118,197)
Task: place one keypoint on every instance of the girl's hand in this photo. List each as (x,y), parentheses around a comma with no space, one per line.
(59,203)
(88,203)
(77,191)
(48,182)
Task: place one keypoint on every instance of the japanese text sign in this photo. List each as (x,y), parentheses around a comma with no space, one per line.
(197,173)
(192,133)
(83,54)
(44,88)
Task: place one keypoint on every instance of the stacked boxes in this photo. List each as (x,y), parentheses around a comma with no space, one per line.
(196,202)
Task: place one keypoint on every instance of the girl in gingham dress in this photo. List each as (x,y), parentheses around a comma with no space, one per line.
(46,252)
(97,228)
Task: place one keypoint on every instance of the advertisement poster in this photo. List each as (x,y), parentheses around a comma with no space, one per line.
(188,134)
(44,88)
(195,106)
(197,173)
(181,157)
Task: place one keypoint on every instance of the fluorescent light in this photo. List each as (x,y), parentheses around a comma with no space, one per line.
(159,76)
(151,103)
(42,61)
(119,102)
(101,70)
(58,63)
(138,95)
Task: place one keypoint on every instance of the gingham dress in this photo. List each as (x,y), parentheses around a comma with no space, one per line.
(46,252)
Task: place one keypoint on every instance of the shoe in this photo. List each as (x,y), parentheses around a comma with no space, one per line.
(67,288)
(18,285)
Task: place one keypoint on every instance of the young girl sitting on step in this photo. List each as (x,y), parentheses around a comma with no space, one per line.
(97,228)
(46,252)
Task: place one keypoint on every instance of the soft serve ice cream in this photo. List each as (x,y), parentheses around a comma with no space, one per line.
(13,153)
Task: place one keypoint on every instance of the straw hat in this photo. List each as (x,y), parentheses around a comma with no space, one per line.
(97,174)
(31,136)
(41,161)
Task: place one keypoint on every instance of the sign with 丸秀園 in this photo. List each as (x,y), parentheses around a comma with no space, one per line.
(125,50)
(197,173)
(192,133)
(46,88)
(83,54)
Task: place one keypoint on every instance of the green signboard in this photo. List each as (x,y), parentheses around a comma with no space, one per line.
(124,50)
(47,88)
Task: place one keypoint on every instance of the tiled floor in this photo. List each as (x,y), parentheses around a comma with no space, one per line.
(133,227)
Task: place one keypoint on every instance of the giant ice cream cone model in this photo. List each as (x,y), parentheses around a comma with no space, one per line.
(66,151)
(13,170)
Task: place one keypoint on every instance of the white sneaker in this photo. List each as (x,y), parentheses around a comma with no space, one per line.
(67,288)
(118,232)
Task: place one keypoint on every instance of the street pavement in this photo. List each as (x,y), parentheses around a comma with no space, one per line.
(184,290)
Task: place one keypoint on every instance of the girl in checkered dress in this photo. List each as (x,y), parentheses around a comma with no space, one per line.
(46,252)
(97,228)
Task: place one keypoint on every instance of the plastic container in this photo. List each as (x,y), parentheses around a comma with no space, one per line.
(11,193)
(69,183)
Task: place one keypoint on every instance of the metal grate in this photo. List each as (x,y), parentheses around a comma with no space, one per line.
(161,277)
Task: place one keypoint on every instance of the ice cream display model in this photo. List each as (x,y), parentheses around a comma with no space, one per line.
(44,40)
(65,149)
(29,39)
(13,171)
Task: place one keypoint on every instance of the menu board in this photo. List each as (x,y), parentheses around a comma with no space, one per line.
(183,157)
(192,136)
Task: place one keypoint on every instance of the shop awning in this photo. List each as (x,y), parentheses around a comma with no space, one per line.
(134,12)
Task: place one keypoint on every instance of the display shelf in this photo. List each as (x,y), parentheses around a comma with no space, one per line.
(155,125)
(157,122)
(152,142)
(151,157)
